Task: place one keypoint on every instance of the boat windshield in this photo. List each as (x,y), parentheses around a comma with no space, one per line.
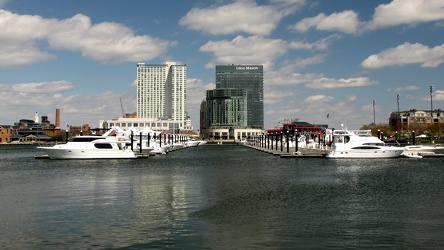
(365,135)
(342,139)
(85,139)
(103,145)
(366,147)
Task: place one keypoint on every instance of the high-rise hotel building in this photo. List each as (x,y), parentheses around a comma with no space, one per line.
(161,100)
(161,91)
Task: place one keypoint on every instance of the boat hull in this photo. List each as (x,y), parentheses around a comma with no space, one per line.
(380,153)
(61,153)
(191,143)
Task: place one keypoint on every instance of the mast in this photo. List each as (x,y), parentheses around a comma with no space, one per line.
(121,107)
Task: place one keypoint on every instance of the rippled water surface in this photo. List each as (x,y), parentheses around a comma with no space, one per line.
(219,197)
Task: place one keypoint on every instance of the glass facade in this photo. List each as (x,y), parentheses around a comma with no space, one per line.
(227,108)
(248,81)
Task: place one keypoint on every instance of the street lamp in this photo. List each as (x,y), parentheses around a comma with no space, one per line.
(399,115)
(374,119)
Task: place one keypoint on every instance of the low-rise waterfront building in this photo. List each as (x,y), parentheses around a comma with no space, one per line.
(404,120)
(164,125)
(6,131)
(30,130)
(236,134)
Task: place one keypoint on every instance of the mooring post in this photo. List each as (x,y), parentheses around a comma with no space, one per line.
(132,137)
(288,145)
(140,142)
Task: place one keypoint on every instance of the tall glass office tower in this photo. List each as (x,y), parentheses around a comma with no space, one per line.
(227,108)
(161,91)
(238,100)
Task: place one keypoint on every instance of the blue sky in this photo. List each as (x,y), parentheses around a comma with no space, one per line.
(320,57)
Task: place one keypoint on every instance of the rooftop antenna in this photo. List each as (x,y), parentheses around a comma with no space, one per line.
(121,106)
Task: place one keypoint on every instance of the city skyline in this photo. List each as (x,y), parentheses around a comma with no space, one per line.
(325,62)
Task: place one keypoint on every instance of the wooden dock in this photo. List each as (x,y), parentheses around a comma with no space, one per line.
(311,152)
(302,152)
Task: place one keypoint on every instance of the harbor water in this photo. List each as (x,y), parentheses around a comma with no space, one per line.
(219,197)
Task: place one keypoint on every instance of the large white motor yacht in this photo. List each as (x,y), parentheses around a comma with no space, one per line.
(91,147)
(360,144)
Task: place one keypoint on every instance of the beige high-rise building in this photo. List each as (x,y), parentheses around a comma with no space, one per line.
(161,91)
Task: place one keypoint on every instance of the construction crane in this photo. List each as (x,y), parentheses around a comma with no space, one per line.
(121,106)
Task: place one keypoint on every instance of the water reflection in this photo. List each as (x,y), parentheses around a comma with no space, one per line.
(219,197)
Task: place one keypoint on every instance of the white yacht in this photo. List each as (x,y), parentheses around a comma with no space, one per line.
(147,144)
(201,142)
(360,144)
(420,150)
(191,143)
(91,147)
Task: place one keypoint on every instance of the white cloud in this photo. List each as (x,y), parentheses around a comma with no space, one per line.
(287,76)
(343,110)
(241,16)
(22,96)
(42,87)
(438,95)
(22,28)
(27,98)
(104,42)
(284,110)
(272,96)
(345,22)
(400,12)
(317,99)
(22,54)
(22,37)
(4,87)
(319,107)
(397,12)
(404,54)
(307,23)
(303,62)
(321,44)
(196,91)
(249,50)
(18,37)
(21,100)
(252,50)
(404,89)
(330,83)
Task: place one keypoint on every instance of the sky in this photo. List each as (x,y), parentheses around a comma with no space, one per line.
(325,62)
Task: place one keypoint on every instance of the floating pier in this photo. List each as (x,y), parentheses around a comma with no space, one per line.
(302,152)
